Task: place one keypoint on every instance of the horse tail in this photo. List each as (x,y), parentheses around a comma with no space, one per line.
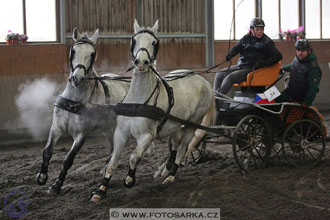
(208,119)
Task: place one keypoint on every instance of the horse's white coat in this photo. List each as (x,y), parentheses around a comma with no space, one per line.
(86,92)
(193,100)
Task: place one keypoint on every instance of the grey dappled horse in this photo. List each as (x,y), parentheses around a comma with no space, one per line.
(193,100)
(74,112)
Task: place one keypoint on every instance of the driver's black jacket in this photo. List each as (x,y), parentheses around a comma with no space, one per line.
(257,52)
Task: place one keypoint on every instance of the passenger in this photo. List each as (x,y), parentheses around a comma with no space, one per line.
(305,76)
(256,50)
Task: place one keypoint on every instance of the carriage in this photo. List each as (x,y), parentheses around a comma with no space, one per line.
(259,132)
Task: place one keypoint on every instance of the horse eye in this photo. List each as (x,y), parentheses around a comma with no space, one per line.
(153,43)
(133,41)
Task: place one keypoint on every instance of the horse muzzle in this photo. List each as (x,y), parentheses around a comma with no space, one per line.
(142,66)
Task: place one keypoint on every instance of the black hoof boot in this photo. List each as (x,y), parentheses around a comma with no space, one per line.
(98,192)
(131,173)
(41,178)
(97,195)
(130,185)
(55,187)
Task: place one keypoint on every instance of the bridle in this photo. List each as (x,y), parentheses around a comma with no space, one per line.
(155,44)
(81,66)
(168,88)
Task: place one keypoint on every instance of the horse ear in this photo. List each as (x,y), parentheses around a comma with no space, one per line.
(155,27)
(137,27)
(75,34)
(95,36)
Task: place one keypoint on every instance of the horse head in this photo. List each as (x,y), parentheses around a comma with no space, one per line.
(144,46)
(82,57)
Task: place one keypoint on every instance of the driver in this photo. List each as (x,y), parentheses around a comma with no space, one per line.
(256,50)
(305,76)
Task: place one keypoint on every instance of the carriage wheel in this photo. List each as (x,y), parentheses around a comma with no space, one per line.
(252,143)
(303,143)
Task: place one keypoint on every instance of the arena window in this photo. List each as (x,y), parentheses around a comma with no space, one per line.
(35,18)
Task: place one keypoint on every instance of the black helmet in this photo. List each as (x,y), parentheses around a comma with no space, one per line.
(257,22)
(302,44)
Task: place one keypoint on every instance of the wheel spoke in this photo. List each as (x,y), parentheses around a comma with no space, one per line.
(312,135)
(292,140)
(259,154)
(243,140)
(310,153)
(309,129)
(296,133)
(244,148)
(244,154)
(254,159)
(315,148)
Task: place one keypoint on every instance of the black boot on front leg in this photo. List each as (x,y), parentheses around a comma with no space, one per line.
(99,194)
(130,179)
(171,176)
(171,160)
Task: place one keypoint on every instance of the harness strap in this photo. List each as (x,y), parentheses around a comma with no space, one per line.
(106,91)
(156,87)
(155,113)
(139,110)
(68,105)
(170,96)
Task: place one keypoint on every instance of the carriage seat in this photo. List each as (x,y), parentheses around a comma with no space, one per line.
(264,76)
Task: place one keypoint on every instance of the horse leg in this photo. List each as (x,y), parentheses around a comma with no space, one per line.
(109,139)
(188,135)
(171,159)
(67,163)
(120,142)
(143,144)
(54,136)
(208,119)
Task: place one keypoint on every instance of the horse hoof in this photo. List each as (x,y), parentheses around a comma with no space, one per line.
(97,195)
(96,198)
(165,172)
(129,181)
(41,178)
(168,180)
(55,187)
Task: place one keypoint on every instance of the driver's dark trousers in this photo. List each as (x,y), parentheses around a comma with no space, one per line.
(225,79)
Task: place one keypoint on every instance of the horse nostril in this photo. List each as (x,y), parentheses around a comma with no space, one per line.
(146,62)
(136,62)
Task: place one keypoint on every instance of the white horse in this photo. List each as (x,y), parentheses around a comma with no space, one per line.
(74,112)
(193,101)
